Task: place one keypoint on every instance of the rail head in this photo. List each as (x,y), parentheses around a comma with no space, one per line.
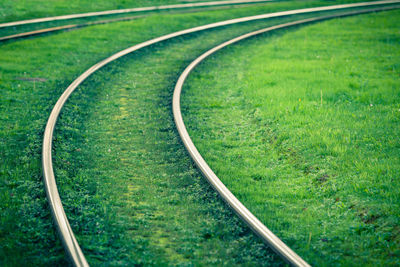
(61,221)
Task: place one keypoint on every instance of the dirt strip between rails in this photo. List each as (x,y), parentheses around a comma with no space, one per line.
(66,234)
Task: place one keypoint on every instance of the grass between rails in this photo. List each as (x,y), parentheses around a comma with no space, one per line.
(34,73)
(161,210)
(304,129)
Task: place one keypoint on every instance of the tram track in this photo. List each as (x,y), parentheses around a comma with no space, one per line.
(66,233)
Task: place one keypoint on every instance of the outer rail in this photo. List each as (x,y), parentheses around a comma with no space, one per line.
(66,234)
(258,227)
(128,10)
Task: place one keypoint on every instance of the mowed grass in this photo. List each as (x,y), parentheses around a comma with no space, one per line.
(33,74)
(303,126)
(158,209)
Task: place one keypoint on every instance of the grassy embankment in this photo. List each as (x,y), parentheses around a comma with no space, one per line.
(34,73)
(304,128)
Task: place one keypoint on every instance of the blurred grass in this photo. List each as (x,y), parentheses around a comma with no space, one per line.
(304,128)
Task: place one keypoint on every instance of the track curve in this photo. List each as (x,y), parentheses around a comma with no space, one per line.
(66,234)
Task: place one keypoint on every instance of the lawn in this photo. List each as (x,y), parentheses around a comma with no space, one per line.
(303,126)
(121,169)
(33,74)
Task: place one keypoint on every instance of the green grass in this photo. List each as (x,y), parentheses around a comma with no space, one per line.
(163,210)
(33,74)
(113,227)
(304,127)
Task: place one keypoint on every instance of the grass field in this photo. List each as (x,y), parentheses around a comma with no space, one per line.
(304,127)
(111,208)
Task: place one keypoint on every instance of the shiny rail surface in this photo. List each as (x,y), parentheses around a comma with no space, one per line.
(258,227)
(128,10)
(66,234)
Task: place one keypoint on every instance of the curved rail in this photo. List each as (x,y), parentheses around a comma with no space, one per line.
(258,227)
(128,10)
(66,234)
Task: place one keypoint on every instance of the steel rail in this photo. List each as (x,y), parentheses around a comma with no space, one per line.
(258,227)
(61,221)
(128,10)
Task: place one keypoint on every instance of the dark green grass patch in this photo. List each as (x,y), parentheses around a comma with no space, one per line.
(304,129)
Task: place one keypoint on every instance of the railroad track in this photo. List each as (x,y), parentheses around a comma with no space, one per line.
(66,234)
(203,5)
